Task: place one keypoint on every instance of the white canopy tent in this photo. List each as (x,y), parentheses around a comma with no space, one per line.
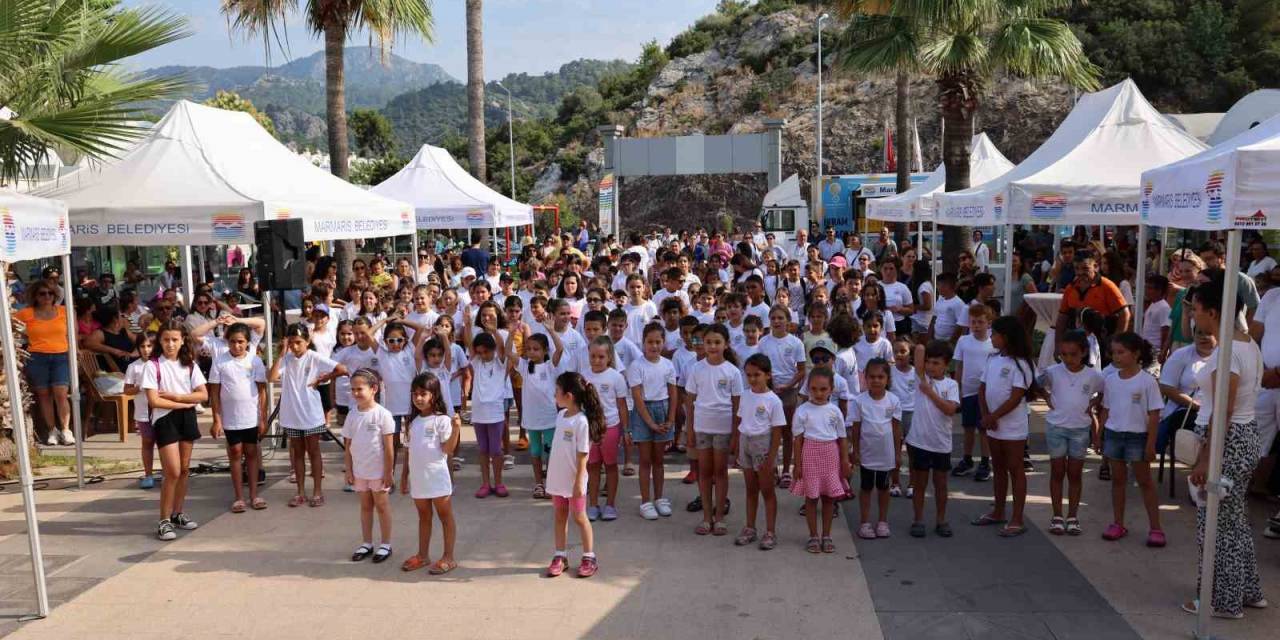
(445,196)
(1232,186)
(203,176)
(986,163)
(1083,174)
(33,228)
(786,194)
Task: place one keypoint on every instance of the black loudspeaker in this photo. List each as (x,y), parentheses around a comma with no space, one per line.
(282,259)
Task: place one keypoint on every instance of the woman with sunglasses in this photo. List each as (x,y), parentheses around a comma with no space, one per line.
(49,369)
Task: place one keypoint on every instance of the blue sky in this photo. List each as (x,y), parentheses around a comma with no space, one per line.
(520,35)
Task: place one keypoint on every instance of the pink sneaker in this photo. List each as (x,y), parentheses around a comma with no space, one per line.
(1114,531)
(483,491)
(588,567)
(501,491)
(557,566)
(867,531)
(882,530)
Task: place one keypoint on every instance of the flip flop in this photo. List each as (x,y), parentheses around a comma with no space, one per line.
(259,504)
(442,567)
(986,520)
(1011,532)
(317,501)
(297,501)
(414,563)
(237,506)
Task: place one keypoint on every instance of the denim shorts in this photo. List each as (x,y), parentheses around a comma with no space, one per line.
(970,412)
(1124,445)
(640,431)
(1065,442)
(48,370)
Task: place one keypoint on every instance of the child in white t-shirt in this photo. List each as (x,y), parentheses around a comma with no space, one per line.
(538,369)
(1130,413)
(369,434)
(929,442)
(652,382)
(876,440)
(971,354)
(174,386)
(299,370)
(579,427)
(1156,323)
(1009,375)
(759,433)
(238,396)
(431,436)
(903,385)
(822,457)
(873,343)
(1071,426)
(141,411)
(489,410)
(713,391)
(612,388)
(947,311)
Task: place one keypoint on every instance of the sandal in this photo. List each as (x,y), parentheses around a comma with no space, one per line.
(702,529)
(719,529)
(293,478)
(1011,532)
(1073,527)
(258,504)
(784,482)
(413,563)
(316,501)
(986,520)
(628,471)
(297,501)
(943,530)
(442,567)
(828,546)
(383,552)
(813,545)
(768,541)
(745,537)
(539,491)
(1057,526)
(362,552)
(237,506)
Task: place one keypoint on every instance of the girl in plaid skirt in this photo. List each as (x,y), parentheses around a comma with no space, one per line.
(822,457)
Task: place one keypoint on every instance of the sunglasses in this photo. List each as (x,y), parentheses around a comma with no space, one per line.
(395,340)
(44,293)
(595,300)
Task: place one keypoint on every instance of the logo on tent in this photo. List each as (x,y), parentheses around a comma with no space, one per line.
(228,226)
(475,218)
(406,219)
(998,200)
(1213,190)
(1256,220)
(282,214)
(1147,188)
(10,231)
(1048,205)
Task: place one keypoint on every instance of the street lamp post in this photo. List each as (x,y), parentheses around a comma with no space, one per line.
(817,181)
(511,142)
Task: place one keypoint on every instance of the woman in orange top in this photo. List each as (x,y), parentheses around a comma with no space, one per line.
(49,369)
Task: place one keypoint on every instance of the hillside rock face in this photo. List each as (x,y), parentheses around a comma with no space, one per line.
(769,72)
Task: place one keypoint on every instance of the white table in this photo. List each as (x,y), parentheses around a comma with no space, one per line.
(1046,306)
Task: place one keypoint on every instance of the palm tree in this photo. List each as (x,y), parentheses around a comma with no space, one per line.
(61,84)
(962,45)
(475,94)
(336,20)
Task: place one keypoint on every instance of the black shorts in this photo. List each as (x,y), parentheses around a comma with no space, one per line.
(326,403)
(178,425)
(342,413)
(242,436)
(924,460)
(872,479)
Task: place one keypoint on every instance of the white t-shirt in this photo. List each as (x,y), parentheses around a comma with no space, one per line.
(1258,267)
(715,387)
(903,385)
(352,357)
(982,256)
(846,369)
(786,354)
(1246,362)
(653,377)
(876,448)
(1180,371)
(238,380)
(324,341)
(760,413)
(397,370)
(164,374)
(426,320)
(841,391)
(1000,377)
(572,438)
(573,343)
(683,360)
(488,391)
(920,319)
(663,294)
(364,430)
(1155,318)
(896,294)
(611,386)
(1071,393)
(1128,400)
(867,351)
(299,401)
(760,311)
(428,464)
(930,427)
(737,337)
(947,312)
(441,374)
(133,375)
(458,362)
(1268,314)
(672,340)
(637,317)
(538,394)
(214,346)
(818,422)
(972,353)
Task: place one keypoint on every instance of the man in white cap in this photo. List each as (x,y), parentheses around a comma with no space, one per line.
(465,278)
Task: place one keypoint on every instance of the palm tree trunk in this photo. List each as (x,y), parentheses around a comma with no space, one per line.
(957,102)
(475,95)
(335,98)
(901,125)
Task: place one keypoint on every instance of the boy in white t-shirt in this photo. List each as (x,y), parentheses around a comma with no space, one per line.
(929,441)
(947,310)
(1156,323)
(972,350)
(238,396)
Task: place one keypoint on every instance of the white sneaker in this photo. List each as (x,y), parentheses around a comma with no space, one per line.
(52,438)
(648,511)
(663,507)
(455,463)
(508,463)
(200,409)
(65,437)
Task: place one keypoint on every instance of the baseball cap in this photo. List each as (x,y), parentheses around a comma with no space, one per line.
(468,272)
(839,261)
(321,309)
(824,344)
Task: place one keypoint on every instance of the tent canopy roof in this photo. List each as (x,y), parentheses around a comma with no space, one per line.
(1084,172)
(32,228)
(786,194)
(445,196)
(986,163)
(203,176)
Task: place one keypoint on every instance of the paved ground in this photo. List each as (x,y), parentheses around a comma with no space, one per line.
(657,578)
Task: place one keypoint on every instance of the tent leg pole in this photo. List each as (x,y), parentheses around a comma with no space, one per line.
(20,442)
(188,280)
(1140,281)
(73,356)
(1164,246)
(1218,436)
(414,259)
(1008,269)
(271,352)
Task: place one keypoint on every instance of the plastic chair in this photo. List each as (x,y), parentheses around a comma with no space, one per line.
(90,369)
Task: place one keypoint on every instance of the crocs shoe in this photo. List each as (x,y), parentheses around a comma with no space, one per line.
(867,531)
(501,491)
(147,482)
(1114,531)
(1156,539)
(882,529)
(483,491)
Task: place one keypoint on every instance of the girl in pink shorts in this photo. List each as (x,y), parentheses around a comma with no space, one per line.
(579,427)
(611,387)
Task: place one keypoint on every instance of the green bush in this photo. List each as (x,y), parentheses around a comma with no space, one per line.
(688,43)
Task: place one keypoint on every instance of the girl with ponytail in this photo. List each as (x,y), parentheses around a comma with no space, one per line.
(579,425)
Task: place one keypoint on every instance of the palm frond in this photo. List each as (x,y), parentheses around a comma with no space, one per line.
(960,51)
(126,35)
(878,44)
(1043,47)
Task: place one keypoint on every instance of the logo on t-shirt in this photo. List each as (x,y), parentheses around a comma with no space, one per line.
(833,422)
(566,435)
(1085,388)
(722,385)
(1004,372)
(1136,397)
(761,412)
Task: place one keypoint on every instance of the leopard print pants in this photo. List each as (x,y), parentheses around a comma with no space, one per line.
(1235,565)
